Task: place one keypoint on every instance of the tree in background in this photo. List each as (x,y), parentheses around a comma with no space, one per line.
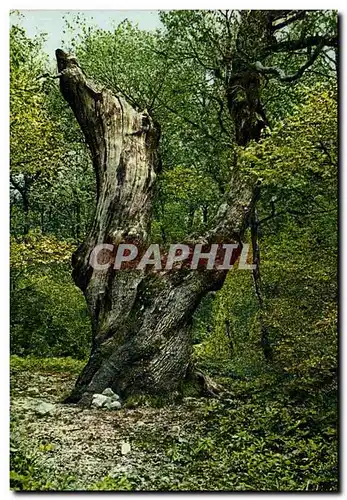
(36,144)
(299,243)
(47,175)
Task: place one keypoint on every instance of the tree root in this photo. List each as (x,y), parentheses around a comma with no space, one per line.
(206,386)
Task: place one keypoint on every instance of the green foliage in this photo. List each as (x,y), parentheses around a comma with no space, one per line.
(36,249)
(52,365)
(298,245)
(27,467)
(120,483)
(48,314)
(187,198)
(309,136)
(35,140)
(235,329)
(260,443)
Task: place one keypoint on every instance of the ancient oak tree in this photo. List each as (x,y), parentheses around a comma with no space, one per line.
(140,319)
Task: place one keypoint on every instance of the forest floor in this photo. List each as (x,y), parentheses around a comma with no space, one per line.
(263,437)
(81,447)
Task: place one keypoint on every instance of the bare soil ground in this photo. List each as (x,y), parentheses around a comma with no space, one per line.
(86,444)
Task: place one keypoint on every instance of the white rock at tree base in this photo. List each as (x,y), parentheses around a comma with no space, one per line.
(109,393)
(103,401)
(113,405)
(99,400)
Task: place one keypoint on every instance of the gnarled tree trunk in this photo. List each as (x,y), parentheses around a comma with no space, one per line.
(140,319)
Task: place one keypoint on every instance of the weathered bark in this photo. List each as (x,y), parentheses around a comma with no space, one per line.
(244,82)
(140,319)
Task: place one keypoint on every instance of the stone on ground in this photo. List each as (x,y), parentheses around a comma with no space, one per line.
(42,408)
(106,401)
(99,400)
(125,448)
(113,405)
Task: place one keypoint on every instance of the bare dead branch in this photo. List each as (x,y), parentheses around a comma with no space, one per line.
(279,73)
(296,17)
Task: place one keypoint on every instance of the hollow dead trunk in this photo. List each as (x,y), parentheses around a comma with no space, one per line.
(141,320)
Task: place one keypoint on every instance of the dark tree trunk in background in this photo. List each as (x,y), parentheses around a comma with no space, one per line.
(246,109)
(24,190)
(26,211)
(247,72)
(245,83)
(141,321)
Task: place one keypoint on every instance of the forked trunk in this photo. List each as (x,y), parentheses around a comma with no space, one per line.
(141,320)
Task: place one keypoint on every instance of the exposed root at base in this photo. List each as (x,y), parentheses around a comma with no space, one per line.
(207,386)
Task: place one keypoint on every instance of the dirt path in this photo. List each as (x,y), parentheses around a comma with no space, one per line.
(87,443)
